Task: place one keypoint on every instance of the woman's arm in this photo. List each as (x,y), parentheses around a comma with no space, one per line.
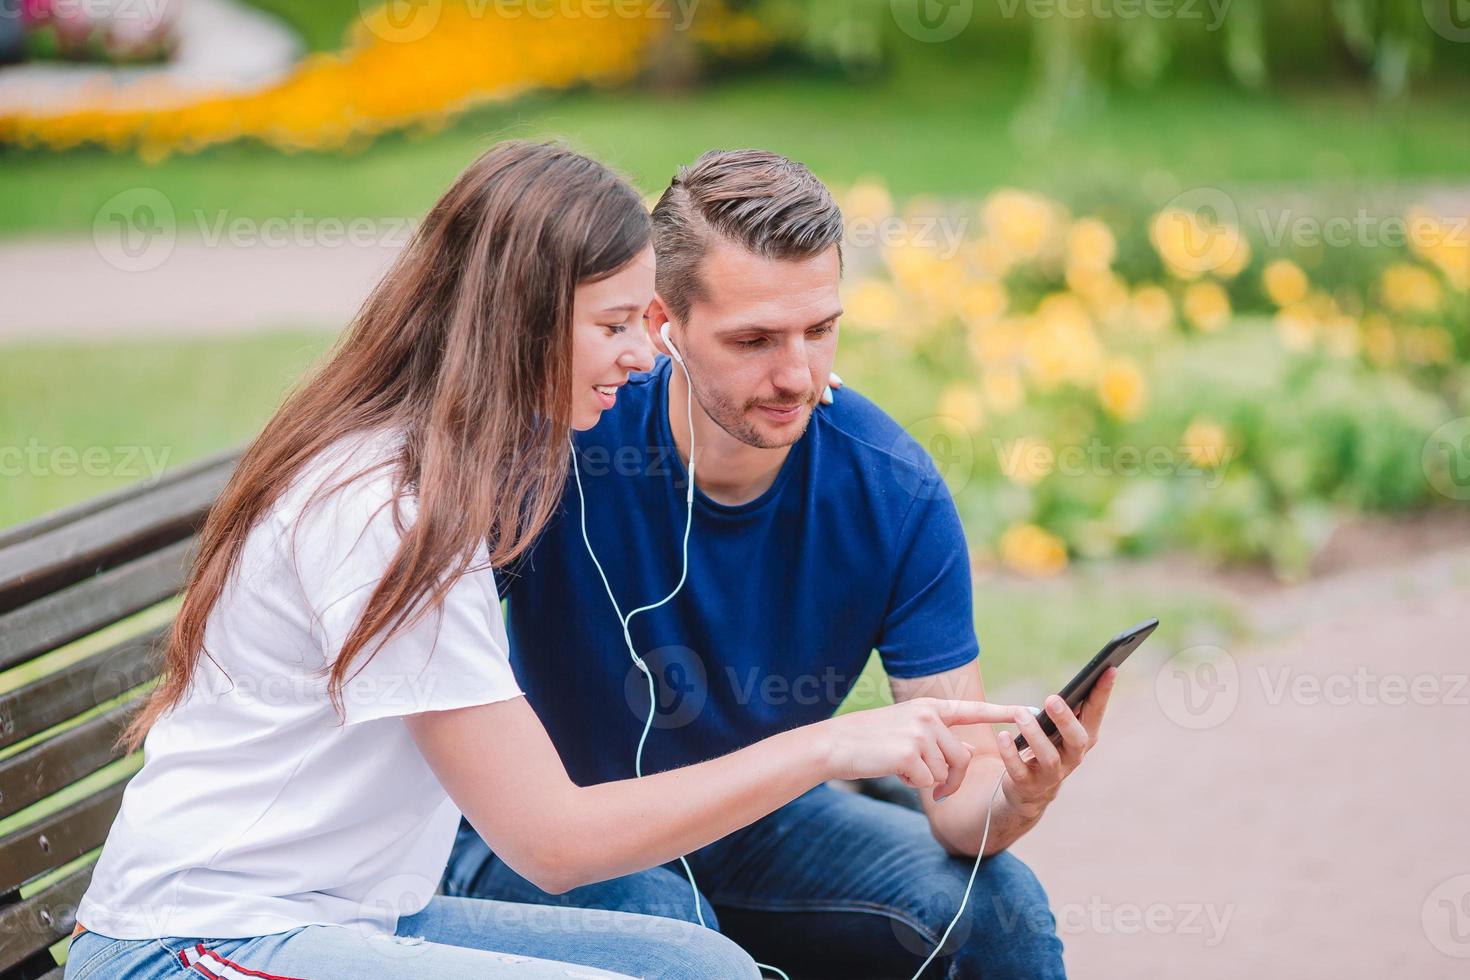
(499,766)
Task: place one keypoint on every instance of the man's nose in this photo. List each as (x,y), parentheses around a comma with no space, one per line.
(793,372)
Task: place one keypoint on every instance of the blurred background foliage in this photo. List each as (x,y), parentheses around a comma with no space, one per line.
(1087,261)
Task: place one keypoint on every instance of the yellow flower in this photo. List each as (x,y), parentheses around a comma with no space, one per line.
(982,301)
(1206,305)
(962,403)
(1020,221)
(1121,390)
(1003,389)
(1285,282)
(1379,343)
(389,75)
(1031,550)
(1205,443)
(1090,244)
(1108,298)
(1410,288)
(1297,326)
(1428,345)
(872,304)
(1191,245)
(1061,344)
(1153,310)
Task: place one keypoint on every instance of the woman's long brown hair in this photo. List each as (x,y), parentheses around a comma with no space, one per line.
(465,347)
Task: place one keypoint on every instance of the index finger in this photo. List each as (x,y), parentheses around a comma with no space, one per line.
(953,712)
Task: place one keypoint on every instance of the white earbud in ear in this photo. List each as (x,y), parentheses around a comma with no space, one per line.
(673,351)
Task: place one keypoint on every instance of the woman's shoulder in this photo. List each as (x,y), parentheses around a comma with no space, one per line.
(347,486)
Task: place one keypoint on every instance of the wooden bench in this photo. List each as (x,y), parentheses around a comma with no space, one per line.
(66,692)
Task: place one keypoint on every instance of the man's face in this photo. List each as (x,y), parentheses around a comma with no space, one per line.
(760,343)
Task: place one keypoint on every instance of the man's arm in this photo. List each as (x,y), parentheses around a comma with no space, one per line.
(1029,783)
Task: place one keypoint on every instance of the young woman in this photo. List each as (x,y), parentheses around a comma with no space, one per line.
(336,687)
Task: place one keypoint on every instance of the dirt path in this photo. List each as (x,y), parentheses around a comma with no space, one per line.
(1298,809)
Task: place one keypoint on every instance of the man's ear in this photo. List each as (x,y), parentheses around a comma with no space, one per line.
(653,321)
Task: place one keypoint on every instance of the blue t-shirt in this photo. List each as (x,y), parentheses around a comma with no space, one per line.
(855,546)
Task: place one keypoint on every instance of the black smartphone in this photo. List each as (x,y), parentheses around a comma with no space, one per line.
(1114,653)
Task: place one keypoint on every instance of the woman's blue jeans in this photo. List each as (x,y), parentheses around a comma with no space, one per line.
(450,939)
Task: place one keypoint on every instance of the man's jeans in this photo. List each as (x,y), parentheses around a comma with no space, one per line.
(833,884)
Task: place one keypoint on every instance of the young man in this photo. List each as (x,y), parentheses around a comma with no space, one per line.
(820,533)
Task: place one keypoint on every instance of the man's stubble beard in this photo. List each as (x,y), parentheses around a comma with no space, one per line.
(734,420)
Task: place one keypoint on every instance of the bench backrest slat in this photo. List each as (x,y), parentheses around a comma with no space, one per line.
(68,692)
(95,543)
(58,762)
(42,919)
(84,608)
(19,533)
(64,836)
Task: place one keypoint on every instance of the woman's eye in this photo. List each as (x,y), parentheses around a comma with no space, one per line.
(616,327)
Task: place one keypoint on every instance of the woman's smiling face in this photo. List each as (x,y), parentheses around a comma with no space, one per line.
(608,339)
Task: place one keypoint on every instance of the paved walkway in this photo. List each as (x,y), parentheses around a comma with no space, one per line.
(146,269)
(1295,810)
(161,286)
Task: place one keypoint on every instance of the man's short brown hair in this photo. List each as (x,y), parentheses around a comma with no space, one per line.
(762,201)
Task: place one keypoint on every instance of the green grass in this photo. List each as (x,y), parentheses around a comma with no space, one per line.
(321,23)
(132,406)
(930,125)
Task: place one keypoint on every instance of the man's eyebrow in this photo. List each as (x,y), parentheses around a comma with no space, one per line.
(763,328)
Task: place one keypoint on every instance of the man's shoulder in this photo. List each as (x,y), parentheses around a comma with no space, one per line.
(855,428)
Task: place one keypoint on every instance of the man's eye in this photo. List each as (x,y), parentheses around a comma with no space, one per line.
(751,344)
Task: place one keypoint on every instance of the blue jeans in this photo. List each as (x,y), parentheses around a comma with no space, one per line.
(450,939)
(831,885)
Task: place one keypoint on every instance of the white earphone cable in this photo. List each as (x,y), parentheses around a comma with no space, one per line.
(624,621)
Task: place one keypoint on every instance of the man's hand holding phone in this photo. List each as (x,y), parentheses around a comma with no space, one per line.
(1034,776)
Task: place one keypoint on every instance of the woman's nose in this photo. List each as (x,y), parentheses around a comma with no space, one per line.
(638,356)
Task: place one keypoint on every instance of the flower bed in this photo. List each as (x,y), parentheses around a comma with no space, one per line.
(1096,388)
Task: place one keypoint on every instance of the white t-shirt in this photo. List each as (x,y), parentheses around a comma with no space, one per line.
(257,809)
